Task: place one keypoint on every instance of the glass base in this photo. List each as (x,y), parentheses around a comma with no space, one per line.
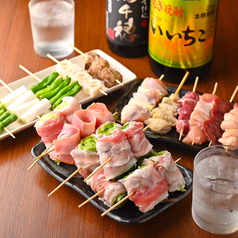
(58,54)
(214,228)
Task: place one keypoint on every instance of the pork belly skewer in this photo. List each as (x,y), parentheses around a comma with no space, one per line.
(110,192)
(114,149)
(157,176)
(164,116)
(187,104)
(145,186)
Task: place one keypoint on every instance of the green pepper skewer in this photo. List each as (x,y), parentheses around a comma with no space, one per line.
(52,86)
(45,82)
(72,92)
(53,92)
(62,92)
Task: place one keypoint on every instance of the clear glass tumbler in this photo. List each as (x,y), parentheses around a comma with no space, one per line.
(52,25)
(215,189)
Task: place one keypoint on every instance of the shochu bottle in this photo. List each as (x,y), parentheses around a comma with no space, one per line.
(127,27)
(181,38)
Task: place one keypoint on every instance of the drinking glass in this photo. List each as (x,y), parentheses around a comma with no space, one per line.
(215,189)
(52,25)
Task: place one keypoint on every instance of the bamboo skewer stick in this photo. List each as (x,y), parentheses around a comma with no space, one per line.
(117,204)
(79,51)
(161,77)
(91,198)
(177,160)
(234,93)
(97,169)
(182,83)
(65,181)
(215,88)
(30,73)
(45,152)
(38,158)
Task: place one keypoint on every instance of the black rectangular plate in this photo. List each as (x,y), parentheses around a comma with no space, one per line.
(172,136)
(128,214)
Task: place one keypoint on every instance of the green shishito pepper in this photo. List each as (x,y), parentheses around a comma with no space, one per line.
(118,198)
(4,115)
(50,93)
(48,89)
(125,174)
(88,143)
(70,90)
(8,120)
(107,128)
(44,83)
(2,107)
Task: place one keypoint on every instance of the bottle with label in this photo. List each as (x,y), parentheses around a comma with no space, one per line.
(127,27)
(181,38)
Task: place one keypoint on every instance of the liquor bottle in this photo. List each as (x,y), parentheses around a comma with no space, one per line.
(181,38)
(127,27)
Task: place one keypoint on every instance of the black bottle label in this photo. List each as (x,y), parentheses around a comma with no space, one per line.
(127,22)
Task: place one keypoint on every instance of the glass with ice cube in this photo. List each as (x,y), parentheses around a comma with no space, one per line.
(52,25)
(215,189)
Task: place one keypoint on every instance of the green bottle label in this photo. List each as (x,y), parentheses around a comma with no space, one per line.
(181,32)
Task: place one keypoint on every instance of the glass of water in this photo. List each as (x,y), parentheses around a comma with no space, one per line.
(215,189)
(52,25)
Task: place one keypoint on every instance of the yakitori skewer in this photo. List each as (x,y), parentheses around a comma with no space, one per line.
(194,89)
(85,56)
(117,204)
(65,181)
(213,92)
(57,62)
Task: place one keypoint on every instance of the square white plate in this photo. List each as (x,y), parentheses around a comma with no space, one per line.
(28,81)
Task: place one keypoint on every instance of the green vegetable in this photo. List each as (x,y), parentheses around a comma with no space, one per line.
(54,85)
(49,116)
(4,115)
(88,143)
(2,111)
(71,91)
(13,117)
(53,92)
(127,173)
(108,128)
(2,107)
(118,198)
(44,83)
(125,126)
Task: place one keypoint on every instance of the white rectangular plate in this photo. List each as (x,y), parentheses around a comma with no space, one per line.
(28,81)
